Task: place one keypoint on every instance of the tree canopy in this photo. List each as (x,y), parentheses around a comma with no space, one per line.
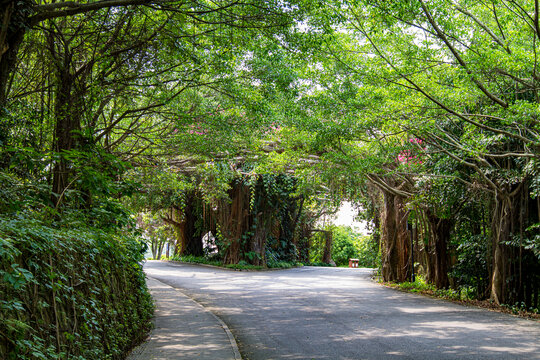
(241,123)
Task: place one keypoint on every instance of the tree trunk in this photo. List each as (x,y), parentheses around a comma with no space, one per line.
(154,245)
(303,242)
(395,241)
(13,27)
(69,109)
(234,222)
(440,236)
(159,250)
(258,243)
(501,232)
(327,252)
(189,240)
(67,124)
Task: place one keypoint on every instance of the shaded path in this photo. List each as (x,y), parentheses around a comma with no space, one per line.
(184,330)
(338,313)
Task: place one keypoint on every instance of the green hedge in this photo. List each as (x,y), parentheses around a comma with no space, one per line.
(69,293)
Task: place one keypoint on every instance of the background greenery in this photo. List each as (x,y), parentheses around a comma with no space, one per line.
(347,244)
(252,120)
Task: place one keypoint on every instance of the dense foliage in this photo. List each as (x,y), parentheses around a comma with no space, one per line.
(97,101)
(346,244)
(427,113)
(71,286)
(241,123)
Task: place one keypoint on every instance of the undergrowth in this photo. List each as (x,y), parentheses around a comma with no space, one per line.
(464,295)
(421,286)
(69,293)
(242,265)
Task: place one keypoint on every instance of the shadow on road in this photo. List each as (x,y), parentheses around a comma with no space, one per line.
(338,313)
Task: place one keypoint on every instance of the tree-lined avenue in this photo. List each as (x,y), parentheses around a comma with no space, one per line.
(339,313)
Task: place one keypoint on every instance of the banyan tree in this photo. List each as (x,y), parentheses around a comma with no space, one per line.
(258,221)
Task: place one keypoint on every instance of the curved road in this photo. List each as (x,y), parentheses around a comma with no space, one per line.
(338,313)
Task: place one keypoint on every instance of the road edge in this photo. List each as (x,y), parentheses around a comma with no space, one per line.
(472,304)
(232,340)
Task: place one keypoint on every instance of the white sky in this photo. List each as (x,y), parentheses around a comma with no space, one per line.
(345,216)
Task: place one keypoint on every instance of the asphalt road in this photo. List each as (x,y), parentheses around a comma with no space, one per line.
(339,313)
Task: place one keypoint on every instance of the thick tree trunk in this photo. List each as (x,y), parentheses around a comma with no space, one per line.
(188,239)
(193,245)
(250,218)
(501,232)
(440,236)
(395,240)
(388,239)
(175,219)
(258,243)
(154,246)
(159,251)
(234,222)
(303,242)
(157,248)
(515,269)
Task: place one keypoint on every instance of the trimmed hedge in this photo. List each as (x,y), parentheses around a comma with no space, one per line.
(70,293)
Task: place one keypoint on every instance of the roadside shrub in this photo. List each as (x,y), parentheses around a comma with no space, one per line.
(418,285)
(421,285)
(242,264)
(347,244)
(368,252)
(343,247)
(471,268)
(196,260)
(282,264)
(69,293)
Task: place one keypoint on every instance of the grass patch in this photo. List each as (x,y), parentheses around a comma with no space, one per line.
(197,260)
(283,264)
(421,286)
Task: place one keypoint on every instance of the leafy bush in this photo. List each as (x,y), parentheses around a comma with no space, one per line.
(343,247)
(347,244)
(282,265)
(69,293)
(368,252)
(196,260)
(419,285)
(242,265)
(71,280)
(521,307)
(471,268)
